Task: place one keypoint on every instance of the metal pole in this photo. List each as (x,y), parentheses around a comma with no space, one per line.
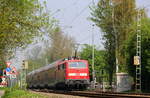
(75,52)
(138,53)
(116,38)
(33,68)
(116,41)
(76,49)
(102,80)
(25,79)
(46,60)
(93,73)
(21,79)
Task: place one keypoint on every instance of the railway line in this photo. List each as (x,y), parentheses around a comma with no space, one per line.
(96,94)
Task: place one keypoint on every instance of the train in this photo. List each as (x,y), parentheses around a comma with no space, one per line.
(70,73)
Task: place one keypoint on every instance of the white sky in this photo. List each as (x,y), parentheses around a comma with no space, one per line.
(74,13)
(73,17)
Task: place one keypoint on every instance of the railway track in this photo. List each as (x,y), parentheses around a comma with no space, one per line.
(97,94)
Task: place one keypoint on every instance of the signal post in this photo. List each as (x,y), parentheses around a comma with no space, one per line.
(23,74)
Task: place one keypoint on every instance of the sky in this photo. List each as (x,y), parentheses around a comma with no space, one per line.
(73,19)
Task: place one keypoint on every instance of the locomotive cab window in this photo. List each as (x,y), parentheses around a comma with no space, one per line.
(61,67)
(58,67)
(77,65)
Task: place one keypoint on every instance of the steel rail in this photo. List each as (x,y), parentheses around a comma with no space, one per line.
(96,94)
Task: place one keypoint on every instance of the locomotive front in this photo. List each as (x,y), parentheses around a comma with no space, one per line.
(77,74)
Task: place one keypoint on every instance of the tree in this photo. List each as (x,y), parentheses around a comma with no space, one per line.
(114,18)
(20,22)
(86,54)
(131,52)
(102,16)
(60,46)
(125,14)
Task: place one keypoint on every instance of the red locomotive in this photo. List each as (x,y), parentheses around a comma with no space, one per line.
(67,73)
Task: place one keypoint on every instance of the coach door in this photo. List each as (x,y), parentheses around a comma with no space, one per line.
(61,72)
(64,71)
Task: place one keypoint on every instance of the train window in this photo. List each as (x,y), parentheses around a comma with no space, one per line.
(58,67)
(63,66)
(77,65)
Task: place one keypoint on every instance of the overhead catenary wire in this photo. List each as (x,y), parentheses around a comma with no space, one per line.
(77,16)
(147,6)
(87,37)
(74,3)
(109,26)
(80,13)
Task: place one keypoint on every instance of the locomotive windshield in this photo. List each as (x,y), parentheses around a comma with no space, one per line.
(77,65)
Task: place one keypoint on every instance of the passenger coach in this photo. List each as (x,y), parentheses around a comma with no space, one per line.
(66,73)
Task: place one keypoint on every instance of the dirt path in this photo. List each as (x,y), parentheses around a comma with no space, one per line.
(1,93)
(53,95)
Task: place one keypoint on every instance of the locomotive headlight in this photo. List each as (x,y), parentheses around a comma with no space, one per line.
(83,74)
(72,74)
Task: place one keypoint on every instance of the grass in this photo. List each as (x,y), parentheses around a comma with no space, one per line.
(17,93)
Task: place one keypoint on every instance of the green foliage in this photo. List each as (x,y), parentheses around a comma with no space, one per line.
(131,52)
(36,63)
(61,46)
(99,64)
(20,22)
(114,18)
(124,17)
(102,16)
(16,93)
